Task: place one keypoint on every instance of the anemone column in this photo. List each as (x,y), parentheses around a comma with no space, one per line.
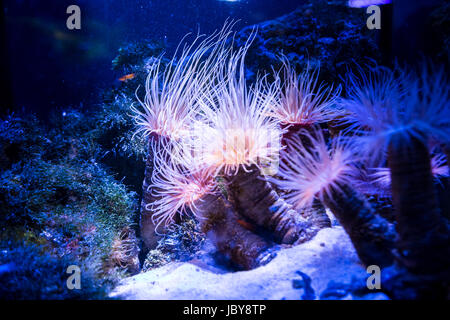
(316,214)
(221,225)
(255,199)
(372,236)
(424,245)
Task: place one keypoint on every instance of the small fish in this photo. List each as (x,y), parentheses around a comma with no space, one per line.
(127,77)
(246,225)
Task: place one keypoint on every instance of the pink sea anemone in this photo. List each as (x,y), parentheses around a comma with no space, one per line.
(315,171)
(303,100)
(232,129)
(176,187)
(172,91)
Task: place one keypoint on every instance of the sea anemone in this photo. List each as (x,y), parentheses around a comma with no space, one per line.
(182,185)
(396,114)
(233,130)
(314,171)
(176,186)
(303,101)
(171,95)
(326,172)
(125,249)
(172,91)
(391,107)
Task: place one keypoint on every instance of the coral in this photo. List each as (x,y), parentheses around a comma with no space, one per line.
(181,242)
(155,259)
(132,54)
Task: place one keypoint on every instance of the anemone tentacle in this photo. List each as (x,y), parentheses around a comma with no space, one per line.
(311,172)
(303,100)
(326,172)
(232,130)
(171,92)
(176,186)
(383,104)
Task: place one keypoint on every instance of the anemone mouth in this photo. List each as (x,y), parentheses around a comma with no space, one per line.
(226,150)
(314,170)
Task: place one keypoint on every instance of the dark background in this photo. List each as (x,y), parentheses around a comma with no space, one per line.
(48,66)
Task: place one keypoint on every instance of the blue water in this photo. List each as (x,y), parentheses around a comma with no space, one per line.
(53,67)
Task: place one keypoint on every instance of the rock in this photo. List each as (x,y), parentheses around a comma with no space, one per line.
(319,32)
(300,272)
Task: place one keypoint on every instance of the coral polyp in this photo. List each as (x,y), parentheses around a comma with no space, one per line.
(316,170)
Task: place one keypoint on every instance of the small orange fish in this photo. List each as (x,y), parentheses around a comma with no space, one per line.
(246,225)
(127,77)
